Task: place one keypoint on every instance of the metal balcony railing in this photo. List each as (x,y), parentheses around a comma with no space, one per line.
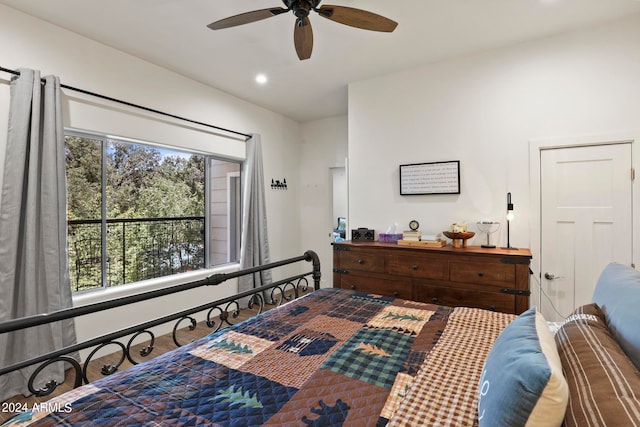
(136,249)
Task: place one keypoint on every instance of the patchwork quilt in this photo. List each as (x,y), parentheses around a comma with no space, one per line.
(330,358)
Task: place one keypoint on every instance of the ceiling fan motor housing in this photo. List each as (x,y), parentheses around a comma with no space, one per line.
(301,8)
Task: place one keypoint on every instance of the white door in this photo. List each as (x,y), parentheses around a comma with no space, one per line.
(586,221)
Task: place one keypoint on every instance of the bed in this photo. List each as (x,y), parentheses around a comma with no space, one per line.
(337,357)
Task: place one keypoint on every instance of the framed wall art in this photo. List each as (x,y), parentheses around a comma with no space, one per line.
(430,178)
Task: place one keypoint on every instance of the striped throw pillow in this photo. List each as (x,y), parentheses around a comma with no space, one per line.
(604,386)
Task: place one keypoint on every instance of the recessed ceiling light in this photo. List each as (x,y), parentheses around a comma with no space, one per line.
(261,79)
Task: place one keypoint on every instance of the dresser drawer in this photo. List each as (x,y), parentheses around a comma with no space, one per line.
(419,267)
(454,297)
(390,288)
(485,273)
(362,261)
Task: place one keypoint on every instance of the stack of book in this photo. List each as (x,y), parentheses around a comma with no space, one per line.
(412,235)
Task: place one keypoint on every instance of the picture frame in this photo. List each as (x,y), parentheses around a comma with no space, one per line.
(430,178)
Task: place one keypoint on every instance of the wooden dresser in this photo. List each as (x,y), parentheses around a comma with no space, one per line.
(494,279)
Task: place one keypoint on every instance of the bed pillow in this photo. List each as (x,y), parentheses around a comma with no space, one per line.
(604,385)
(522,382)
(617,294)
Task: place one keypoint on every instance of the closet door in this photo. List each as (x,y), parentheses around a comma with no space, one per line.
(586,221)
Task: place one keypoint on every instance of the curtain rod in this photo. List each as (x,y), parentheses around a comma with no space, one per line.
(108,98)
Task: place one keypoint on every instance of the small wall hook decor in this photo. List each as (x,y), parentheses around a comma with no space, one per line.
(277,185)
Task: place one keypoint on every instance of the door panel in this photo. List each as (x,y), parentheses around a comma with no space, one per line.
(586,204)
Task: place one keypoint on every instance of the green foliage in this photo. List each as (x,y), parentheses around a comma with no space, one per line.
(84,174)
(142,183)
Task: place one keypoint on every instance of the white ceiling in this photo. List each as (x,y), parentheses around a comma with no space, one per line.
(173,34)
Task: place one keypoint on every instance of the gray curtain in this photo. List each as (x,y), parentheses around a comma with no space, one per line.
(254,246)
(34,272)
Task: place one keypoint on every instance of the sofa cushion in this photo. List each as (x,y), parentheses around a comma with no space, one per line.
(522,381)
(617,294)
(604,386)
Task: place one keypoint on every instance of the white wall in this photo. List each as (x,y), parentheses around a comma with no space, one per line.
(324,146)
(483,110)
(83,63)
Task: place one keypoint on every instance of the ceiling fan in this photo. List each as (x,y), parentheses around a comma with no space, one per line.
(303,34)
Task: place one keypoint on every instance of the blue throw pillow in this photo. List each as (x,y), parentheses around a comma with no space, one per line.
(618,295)
(522,381)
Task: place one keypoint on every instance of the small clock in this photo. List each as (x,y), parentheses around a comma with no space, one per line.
(413,224)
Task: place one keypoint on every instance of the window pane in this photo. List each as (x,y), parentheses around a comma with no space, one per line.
(140,218)
(84,201)
(224,210)
(155,206)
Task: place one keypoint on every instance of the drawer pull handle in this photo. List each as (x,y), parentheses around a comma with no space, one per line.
(480,274)
(353,287)
(414,267)
(396,294)
(434,300)
(492,308)
(360,261)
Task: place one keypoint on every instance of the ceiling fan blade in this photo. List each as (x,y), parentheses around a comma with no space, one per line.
(303,38)
(247,17)
(357,18)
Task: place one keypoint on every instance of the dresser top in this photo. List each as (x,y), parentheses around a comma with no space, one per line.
(471,250)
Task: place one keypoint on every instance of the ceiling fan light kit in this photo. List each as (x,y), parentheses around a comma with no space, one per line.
(303,33)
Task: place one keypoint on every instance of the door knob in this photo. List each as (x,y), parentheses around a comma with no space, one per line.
(551,276)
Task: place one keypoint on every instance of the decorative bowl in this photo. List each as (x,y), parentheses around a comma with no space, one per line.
(459,240)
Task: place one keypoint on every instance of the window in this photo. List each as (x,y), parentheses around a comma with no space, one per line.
(138,211)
